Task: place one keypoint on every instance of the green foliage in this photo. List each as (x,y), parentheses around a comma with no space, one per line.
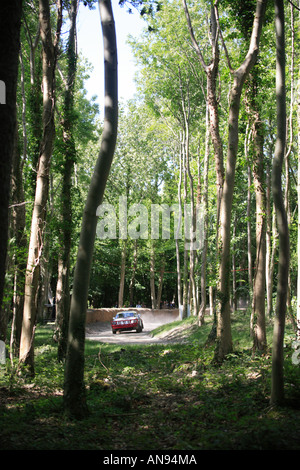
(155,396)
(145,7)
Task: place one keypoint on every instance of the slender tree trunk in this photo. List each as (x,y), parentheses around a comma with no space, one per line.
(74,388)
(152,278)
(201,314)
(193,296)
(224,338)
(18,232)
(249,236)
(122,274)
(178,269)
(234,297)
(18,222)
(277,388)
(63,296)
(62,305)
(211,72)
(288,151)
(160,282)
(259,281)
(185,293)
(42,184)
(34,102)
(178,266)
(258,328)
(269,273)
(10,21)
(132,280)
(211,301)
(34,121)
(298,196)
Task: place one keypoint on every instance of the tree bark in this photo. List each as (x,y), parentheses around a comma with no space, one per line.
(132,280)
(18,223)
(211,72)
(160,282)
(298,198)
(259,280)
(122,274)
(257,324)
(63,293)
(277,387)
(249,237)
(269,264)
(224,337)
(42,183)
(234,294)
(193,304)
(204,197)
(185,290)
(152,277)
(74,388)
(178,228)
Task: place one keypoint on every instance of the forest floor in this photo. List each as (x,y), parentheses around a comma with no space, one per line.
(166,395)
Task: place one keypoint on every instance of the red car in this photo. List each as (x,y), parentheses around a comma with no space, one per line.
(127,321)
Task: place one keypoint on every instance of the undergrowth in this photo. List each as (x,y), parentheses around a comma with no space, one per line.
(154,396)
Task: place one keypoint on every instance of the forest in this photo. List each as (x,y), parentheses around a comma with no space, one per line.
(185,197)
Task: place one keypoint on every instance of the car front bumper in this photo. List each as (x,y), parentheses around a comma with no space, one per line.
(118,326)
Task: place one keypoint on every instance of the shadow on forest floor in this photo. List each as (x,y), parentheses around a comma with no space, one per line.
(153,397)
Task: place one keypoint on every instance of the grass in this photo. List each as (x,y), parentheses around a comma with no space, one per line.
(155,397)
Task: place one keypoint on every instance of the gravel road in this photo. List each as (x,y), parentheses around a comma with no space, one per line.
(101,331)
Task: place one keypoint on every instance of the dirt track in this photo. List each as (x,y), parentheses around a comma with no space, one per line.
(101,331)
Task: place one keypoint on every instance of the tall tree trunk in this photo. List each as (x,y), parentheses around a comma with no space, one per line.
(204,200)
(42,183)
(178,269)
(298,196)
(185,293)
(277,388)
(257,322)
(132,280)
(224,338)
(269,251)
(63,295)
(160,282)
(18,224)
(122,274)
(249,236)
(234,295)
(62,306)
(10,22)
(211,72)
(178,228)
(74,388)
(259,280)
(34,102)
(152,278)
(193,291)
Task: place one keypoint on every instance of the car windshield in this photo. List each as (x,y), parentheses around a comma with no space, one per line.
(125,314)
